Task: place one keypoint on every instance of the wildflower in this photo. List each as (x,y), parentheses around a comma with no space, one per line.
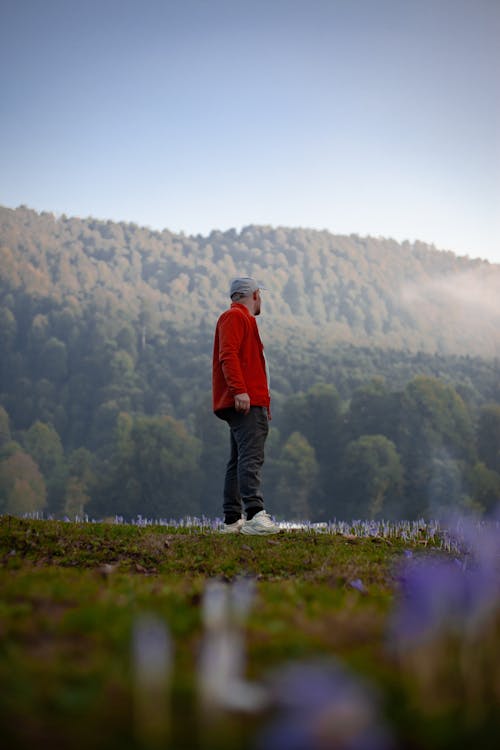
(322,706)
(434,596)
(358,585)
(444,628)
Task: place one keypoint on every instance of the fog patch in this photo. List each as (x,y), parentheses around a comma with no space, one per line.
(466,302)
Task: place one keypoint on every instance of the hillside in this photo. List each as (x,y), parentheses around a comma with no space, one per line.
(379,409)
(328,288)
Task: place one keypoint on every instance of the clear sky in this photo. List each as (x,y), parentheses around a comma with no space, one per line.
(376,117)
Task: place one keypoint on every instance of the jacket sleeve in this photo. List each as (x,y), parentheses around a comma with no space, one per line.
(232,329)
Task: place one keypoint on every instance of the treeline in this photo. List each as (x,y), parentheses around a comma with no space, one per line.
(323,287)
(384,454)
(99,418)
(105,340)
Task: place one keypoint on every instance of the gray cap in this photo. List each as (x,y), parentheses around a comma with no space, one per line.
(245,285)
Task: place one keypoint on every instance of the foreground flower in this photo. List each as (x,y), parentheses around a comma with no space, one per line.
(458,595)
(321,706)
(445,627)
(434,596)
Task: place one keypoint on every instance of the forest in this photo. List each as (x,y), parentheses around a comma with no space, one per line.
(384,358)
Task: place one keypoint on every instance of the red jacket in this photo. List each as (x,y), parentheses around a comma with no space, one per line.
(238,360)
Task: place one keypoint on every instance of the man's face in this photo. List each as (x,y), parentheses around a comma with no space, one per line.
(257,301)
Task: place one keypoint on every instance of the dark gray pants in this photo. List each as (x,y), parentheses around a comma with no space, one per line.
(248,433)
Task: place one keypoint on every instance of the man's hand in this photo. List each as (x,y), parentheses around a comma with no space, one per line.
(242,403)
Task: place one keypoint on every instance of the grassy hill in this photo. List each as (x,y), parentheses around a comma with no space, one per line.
(90,614)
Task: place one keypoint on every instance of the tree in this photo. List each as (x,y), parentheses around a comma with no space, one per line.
(372,478)
(4,427)
(299,470)
(81,481)
(373,411)
(317,417)
(22,487)
(485,488)
(38,333)
(435,429)
(75,498)
(43,444)
(154,470)
(103,425)
(8,330)
(127,340)
(446,490)
(54,360)
(488,436)
(122,369)
(433,410)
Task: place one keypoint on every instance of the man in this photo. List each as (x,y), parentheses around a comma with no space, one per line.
(241,397)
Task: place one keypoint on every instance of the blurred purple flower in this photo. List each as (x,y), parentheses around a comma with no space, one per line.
(482,541)
(449,595)
(358,585)
(433,595)
(322,706)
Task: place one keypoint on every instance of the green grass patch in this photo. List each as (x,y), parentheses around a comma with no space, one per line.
(71,594)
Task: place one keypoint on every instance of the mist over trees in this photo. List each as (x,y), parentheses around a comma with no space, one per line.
(384,371)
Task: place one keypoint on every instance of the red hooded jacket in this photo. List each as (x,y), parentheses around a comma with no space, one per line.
(238,360)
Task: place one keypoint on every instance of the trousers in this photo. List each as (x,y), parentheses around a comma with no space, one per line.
(242,483)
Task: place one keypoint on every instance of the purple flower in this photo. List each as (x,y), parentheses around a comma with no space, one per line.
(358,585)
(440,596)
(432,595)
(322,705)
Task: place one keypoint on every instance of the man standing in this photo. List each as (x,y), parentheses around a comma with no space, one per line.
(241,397)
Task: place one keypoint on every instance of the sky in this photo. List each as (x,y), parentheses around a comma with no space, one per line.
(373,117)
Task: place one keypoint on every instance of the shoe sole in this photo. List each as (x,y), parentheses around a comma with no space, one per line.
(254,532)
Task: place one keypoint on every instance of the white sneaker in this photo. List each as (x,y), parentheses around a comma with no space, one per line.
(261,524)
(233,528)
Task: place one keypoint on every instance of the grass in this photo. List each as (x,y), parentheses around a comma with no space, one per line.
(72,593)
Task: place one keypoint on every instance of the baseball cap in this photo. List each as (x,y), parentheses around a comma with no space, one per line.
(244,285)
